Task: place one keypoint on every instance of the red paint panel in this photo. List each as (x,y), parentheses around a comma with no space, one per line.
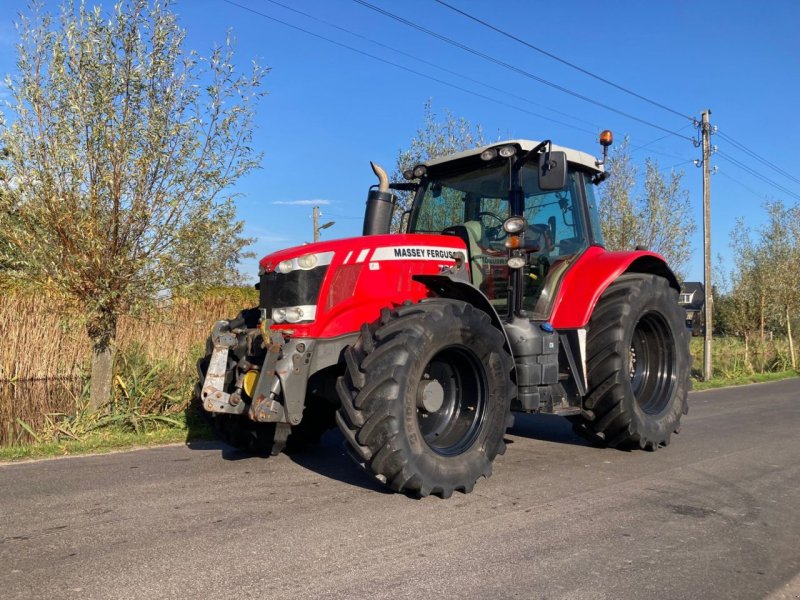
(586,280)
(388,263)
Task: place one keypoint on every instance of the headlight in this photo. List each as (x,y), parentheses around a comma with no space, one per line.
(284,266)
(489,154)
(514,225)
(507,151)
(294,314)
(309,261)
(516,262)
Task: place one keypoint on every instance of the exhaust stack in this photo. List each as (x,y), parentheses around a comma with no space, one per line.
(380,204)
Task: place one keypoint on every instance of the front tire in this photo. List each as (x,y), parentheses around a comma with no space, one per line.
(638,365)
(426,397)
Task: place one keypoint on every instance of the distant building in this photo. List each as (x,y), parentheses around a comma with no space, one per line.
(691,299)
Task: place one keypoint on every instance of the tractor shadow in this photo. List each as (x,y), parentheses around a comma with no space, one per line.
(330,459)
(546,428)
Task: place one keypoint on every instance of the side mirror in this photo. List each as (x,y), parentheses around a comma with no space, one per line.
(552,170)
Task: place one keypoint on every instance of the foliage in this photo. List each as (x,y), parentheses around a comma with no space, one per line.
(119,160)
(764,294)
(435,138)
(658,217)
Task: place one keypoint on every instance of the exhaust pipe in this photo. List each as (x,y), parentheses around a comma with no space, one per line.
(380,204)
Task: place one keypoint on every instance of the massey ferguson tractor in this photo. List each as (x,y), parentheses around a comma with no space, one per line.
(497,296)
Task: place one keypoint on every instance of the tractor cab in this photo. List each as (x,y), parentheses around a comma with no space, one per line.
(525,211)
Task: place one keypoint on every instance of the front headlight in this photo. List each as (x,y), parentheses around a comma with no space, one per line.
(285,266)
(309,261)
(294,314)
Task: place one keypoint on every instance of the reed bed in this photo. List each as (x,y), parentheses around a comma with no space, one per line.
(45,357)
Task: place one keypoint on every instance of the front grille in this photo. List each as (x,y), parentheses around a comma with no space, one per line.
(296,288)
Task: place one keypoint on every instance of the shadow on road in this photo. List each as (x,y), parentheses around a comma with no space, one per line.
(547,428)
(330,459)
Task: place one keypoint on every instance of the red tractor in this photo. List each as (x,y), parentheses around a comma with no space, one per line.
(498,297)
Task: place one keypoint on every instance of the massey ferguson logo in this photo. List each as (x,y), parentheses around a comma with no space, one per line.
(434,253)
(415,252)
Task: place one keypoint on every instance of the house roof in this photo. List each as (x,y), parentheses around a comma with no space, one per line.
(696,292)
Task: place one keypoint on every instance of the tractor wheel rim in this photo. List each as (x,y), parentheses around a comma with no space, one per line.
(652,363)
(456,425)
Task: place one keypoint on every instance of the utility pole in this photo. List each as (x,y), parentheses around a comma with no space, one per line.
(317,226)
(708,302)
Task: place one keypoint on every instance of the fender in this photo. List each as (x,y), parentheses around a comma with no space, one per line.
(456,288)
(592,273)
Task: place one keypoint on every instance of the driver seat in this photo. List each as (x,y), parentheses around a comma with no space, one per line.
(471,232)
(475,233)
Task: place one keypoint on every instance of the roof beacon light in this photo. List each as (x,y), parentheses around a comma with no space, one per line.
(606,139)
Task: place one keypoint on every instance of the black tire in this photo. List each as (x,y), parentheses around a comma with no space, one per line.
(449,344)
(638,365)
(236,430)
(319,415)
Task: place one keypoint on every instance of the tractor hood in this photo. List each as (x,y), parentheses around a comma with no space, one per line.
(365,249)
(331,288)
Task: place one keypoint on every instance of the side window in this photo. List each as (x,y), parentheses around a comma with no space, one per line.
(555,220)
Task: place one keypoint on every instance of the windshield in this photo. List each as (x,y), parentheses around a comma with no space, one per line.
(474,206)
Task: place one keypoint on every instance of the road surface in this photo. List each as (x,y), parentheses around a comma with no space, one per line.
(715,515)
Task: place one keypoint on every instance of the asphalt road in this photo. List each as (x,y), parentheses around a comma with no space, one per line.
(715,515)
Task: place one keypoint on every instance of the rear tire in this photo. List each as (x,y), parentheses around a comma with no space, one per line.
(426,397)
(638,365)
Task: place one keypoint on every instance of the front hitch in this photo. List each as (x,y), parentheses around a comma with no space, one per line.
(215,399)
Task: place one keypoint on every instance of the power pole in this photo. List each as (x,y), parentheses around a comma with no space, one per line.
(317,226)
(708,302)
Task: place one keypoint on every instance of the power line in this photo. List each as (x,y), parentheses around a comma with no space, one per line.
(761,159)
(736,181)
(758,175)
(663,137)
(514,68)
(563,61)
(408,69)
(435,65)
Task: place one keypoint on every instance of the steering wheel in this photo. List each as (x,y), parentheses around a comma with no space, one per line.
(493,234)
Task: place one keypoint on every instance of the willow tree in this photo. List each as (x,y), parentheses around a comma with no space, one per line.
(655,212)
(434,139)
(120,154)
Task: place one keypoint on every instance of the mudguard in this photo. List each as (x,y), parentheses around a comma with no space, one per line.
(592,273)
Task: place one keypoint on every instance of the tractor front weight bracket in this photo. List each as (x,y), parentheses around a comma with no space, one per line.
(265,407)
(215,399)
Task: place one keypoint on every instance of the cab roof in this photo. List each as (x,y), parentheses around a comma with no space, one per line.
(573,156)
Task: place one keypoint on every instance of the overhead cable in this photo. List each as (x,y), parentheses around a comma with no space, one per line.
(407,69)
(759,158)
(437,66)
(758,175)
(515,68)
(565,62)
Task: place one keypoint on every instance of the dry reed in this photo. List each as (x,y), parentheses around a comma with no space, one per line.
(45,354)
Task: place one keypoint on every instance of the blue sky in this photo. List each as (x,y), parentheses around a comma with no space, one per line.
(329,110)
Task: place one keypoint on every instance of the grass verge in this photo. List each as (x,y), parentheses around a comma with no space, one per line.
(107,439)
(721,382)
